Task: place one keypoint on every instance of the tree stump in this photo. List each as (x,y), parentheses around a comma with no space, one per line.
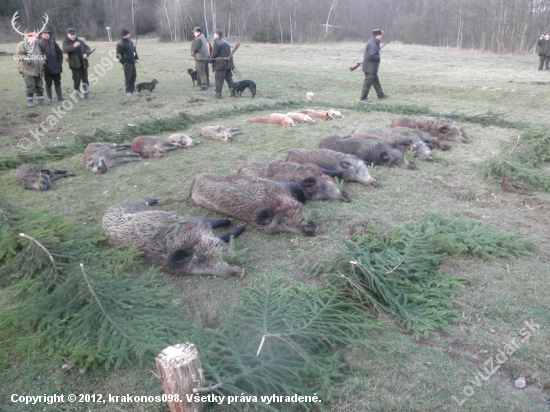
(180,371)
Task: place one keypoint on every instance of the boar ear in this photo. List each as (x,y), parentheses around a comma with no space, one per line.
(309,182)
(264,217)
(180,258)
(384,156)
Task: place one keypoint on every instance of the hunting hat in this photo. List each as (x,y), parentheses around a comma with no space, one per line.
(125,32)
(46,30)
(377,32)
(219,33)
(199,29)
(71,31)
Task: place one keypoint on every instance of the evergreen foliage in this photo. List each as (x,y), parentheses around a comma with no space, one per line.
(397,271)
(303,327)
(100,314)
(523,159)
(74,296)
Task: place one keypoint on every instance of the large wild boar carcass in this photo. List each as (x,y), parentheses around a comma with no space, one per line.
(100,157)
(371,151)
(313,180)
(352,168)
(402,138)
(442,128)
(262,203)
(151,146)
(38,177)
(180,245)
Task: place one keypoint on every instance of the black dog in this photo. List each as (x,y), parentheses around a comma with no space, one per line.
(147,86)
(194,75)
(239,87)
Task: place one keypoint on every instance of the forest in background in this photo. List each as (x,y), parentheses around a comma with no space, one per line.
(500,26)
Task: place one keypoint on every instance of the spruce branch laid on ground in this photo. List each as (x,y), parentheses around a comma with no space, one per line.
(397,270)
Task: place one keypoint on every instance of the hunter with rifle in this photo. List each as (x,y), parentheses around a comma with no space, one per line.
(371,62)
(222,58)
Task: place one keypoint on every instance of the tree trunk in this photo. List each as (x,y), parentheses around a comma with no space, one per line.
(180,372)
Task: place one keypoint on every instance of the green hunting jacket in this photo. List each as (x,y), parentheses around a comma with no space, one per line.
(75,54)
(126,52)
(30,64)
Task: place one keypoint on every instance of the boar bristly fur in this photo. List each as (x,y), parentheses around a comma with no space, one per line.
(352,168)
(264,204)
(371,151)
(313,180)
(38,177)
(179,245)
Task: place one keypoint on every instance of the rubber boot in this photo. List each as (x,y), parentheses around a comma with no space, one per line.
(87,96)
(41,101)
(59,93)
(49,93)
(218,95)
(79,95)
(29,101)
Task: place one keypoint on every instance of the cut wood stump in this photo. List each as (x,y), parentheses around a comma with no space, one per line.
(180,371)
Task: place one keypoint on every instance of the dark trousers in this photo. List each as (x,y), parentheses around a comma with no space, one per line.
(544,62)
(222,75)
(130,75)
(52,78)
(80,75)
(371,79)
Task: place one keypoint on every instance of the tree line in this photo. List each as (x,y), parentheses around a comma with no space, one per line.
(501,26)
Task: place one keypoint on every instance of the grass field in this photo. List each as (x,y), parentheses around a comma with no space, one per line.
(491,97)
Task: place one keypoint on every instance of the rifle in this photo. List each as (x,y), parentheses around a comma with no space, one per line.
(237,45)
(356,65)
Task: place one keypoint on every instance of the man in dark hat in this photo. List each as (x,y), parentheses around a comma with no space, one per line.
(371,62)
(222,68)
(77,52)
(127,56)
(199,50)
(54,64)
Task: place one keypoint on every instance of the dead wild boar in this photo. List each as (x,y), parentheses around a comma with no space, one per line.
(312,179)
(371,151)
(401,138)
(352,168)
(442,128)
(151,146)
(97,146)
(179,245)
(262,203)
(100,161)
(38,177)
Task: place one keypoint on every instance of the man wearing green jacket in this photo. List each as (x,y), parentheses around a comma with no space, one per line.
(30,61)
(78,52)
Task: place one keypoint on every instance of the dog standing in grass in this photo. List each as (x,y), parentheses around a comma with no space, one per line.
(147,86)
(239,87)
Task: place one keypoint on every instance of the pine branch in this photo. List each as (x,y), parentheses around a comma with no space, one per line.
(36,242)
